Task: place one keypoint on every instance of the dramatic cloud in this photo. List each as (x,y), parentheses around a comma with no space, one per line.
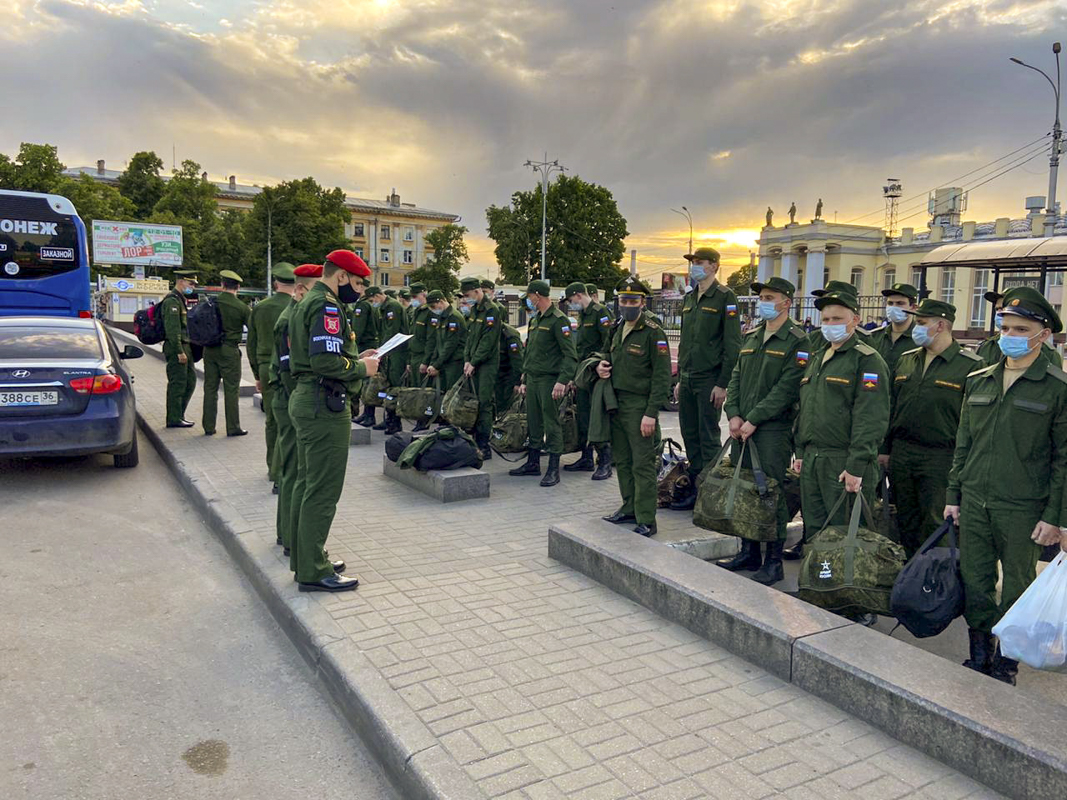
(720,105)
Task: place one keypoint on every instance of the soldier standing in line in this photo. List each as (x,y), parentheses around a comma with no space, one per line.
(324,362)
(989,350)
(1009,470)
(482,356)
(260,346)
(594,335)
(894,338)
(510,375)
(444,359)
(404,296)
(393,321)
(367,327)
(639,368)
(761,407)
(223,363)
(592,290)
(419,327)
(710,339)
(489,291)
(181,376)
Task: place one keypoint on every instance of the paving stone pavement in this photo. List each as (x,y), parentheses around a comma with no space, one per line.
(538,681)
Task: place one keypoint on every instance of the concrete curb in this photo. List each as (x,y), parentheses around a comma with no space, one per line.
(1006,739)
(414,759)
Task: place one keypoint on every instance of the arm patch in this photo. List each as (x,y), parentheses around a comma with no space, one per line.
(326,334)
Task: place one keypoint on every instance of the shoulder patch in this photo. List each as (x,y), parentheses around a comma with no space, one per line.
(866,349)
(798,332)
(912,351)
(1056,373)
(984,371)
(971,355)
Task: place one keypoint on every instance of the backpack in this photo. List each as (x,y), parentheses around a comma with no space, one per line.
(446,448)
(509,431)
(396,443)
(928,593)
(460,404)
(205,323)
(148,324)
(738,502)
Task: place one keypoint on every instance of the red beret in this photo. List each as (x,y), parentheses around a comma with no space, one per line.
(349,262)
(308,271)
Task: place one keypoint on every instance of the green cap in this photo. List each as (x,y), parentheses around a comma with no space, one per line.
(488,284)
(776,284)
(590,288)
(704,254)
(390,292)
(992,297)
(934,308)
(539,287)
(846,299)
(470,284)
(417,288)
(837,286)
(283,272)
(187,274)
(435,296)
(1031,304)
(632,285)
(372,290)
(230,275)
(405,293)
(903,289)
(573,289)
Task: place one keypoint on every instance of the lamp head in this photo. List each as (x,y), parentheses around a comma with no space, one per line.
(1017,61)
(1056,48)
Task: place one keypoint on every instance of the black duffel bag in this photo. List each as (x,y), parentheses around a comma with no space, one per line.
(928,592)
(396,443)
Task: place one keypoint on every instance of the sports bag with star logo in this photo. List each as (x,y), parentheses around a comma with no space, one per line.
(736,501)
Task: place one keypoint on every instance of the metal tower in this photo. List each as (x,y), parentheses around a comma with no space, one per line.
(892,192)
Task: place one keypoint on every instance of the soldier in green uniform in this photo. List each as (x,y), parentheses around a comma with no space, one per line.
(816,342)
(393,321)
(761,407)
(260,346)
(894,338)
(367,327)
(1006,488)
(283,383)
(638,364)
(927,392)
(444,361)
(711,337)
(181,376)
(223,363)
(989,351)
(844,415)
(404,296)
(594,334)
(510,375)
(548,367)
(592,290)
(324,362)
(482,355)
(489,290)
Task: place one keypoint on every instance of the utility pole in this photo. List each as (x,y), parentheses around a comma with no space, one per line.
(270,263)
(546,168)
(633,263)
(689,217)
(1057,135)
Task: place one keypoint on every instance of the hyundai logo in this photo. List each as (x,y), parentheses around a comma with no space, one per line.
(21,373)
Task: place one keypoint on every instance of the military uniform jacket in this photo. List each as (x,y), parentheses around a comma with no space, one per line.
(280,374)
(450,337)
(881,339)
(989,352)
(175,331)
(421,345)
(641,362)
(511,351)
(926,406)
(391,316)
(365,324)
(259,347)
(550,351)
(235,316)
(1010,448)
(765,382)
(844,404)
(483,334)
(711,334)
(322,343)
(594,331)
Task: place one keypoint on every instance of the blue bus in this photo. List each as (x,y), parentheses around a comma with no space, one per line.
(44,257)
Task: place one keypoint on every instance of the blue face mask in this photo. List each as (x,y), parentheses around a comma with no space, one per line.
(574,306)
(697,272)
(767,309)
(834,333)
(437,311)
(920,334)
(530,305)
(377,304)
(188,290)
(1015,346)
(465,310)
(896,314)
(416,303)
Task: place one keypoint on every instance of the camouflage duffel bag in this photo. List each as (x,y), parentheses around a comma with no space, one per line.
(375,390)
(460,404)
(510,433)
(738,502)
(568,421)
(850,569)
(420,404)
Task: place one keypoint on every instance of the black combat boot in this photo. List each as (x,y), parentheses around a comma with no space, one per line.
(685,497)
(381,426)
(583,464)
(771,572)
(603,463)
(368,419)
(482,440)
(794,553)
(420,426)
(532,465)
(392,423)
(983,648)
(1003,669)
(747,558)
(552,473)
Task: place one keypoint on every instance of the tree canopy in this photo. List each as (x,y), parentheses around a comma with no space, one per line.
(142,183)
(449,255)
(741,280)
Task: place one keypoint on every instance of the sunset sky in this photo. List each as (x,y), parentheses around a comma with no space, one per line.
(723,106)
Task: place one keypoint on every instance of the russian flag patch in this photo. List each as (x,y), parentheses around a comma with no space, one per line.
(802,357)
(731,310)
(663,347)
(331,310)
(870,380)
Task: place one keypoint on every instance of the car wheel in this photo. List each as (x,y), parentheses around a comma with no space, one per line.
(129,459)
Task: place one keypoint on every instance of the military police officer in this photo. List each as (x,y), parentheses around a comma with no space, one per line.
(482,355)
(894,338)
(181,376)
(393,321)
(223,363)
(638,364)
(594,334)
(1008,472)
(548,367)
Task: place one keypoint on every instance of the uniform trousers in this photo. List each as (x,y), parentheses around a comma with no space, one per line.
(699,420)
(271,426)
(542,415)
(820,488)
(284,466)
(181,383)
(636,457)
(919,477)
(222,364)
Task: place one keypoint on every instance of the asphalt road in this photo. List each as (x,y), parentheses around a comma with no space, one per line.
(135,661)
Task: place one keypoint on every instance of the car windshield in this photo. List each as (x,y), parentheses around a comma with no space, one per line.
(43,342)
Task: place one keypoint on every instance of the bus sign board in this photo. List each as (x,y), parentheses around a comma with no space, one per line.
(137,243)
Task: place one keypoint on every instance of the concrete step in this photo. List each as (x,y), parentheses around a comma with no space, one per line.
(449,486)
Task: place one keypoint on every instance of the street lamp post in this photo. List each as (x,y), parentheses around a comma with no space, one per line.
(689,217)
(546,168)
(1057,134)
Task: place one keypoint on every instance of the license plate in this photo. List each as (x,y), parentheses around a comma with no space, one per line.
(16,399)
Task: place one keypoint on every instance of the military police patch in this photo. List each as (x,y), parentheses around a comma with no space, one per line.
(802,357)
(331,324)
(870,380)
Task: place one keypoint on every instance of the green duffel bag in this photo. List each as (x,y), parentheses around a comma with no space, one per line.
(420,403)
(568,420)
(850,569)
(735,501)
(375,389)
(460,404)
(510,434)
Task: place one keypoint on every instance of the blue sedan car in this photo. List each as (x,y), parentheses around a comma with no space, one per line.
(64,390)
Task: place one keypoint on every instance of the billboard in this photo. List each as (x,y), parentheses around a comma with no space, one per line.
(672,285)
(137,243)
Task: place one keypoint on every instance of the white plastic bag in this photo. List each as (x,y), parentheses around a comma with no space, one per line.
(1034,630)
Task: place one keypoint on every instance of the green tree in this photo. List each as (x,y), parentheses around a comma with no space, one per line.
(188,195)
(36,168)
(142,184)
(8,172)
(741,280)
(449,255)
(223,246)
(585,234)
(95,200)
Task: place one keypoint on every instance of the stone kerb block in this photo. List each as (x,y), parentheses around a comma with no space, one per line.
(448,486)
(360,435)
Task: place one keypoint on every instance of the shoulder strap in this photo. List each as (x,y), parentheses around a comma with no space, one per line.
(1056,373)
(865,349)
(971,355)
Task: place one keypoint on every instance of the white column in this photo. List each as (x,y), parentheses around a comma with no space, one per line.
(789,267)
(813,271)
(765,269)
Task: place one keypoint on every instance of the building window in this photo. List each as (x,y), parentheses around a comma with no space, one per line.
(357,230)
(385,279)
(857,279)
(889,278)
(979,306)
(409,257)
(407,279)
(825,276)
(384,255)
(1055,279)
(948,284)
(916,276)
(409,234)
(359,252)
(385,233)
